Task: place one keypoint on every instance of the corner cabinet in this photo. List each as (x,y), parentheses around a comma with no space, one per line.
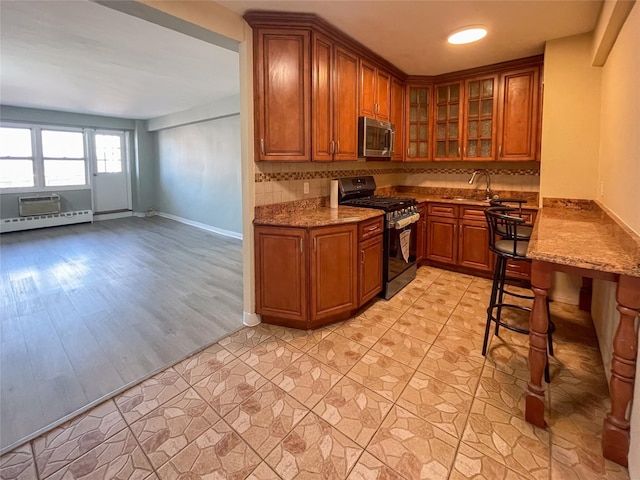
(306,278)
(282,94)
(418,120)
(448,121)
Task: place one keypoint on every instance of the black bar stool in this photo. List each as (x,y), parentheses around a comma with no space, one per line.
(509,242)
(515,204)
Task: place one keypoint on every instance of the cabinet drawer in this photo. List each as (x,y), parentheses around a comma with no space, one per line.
(472,213)
(370,228)
(442,210)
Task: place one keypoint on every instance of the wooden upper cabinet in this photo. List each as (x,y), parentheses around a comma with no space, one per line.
(282,94)
(397,118)
(448,121)
(480,114)
(417,121)
(335,102)
(518,121)
(375,92)
(334,271)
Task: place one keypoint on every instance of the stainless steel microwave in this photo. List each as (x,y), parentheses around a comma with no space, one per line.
(375,138)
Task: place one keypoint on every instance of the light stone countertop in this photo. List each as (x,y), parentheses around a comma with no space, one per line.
(318,216)
(586,238)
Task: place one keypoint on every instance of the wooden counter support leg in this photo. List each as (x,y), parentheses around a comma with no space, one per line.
(615,438)
(538,325)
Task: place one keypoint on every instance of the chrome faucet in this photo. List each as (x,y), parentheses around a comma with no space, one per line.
(485,172)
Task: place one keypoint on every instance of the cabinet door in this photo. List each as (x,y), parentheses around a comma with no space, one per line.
(283,95)
(281,273)
(345,105)
(367,89)
(383,96)
(442,239)
(481,100)
(370,267)
(473,245)
(518,123)
(417,114)
(397,118)
(334,271)
(448,121)
(419,235)
(322,119)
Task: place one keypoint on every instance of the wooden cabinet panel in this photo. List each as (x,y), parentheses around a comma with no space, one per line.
(442,210)
(322,119)
(418,121)
(370,228)
(333,272)
(345,104)
(480,112)
(383,96)
(421,234)
(397,118)
(442,239)
(473,245)
(518,122)
(281,273)
(367,89)
(282,95)
(370,268)
(448,121)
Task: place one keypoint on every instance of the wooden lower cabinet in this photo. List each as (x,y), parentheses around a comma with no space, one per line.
(306,278)
(370,269)
(442,239)
(473,246)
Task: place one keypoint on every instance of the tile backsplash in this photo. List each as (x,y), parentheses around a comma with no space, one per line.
(284,182)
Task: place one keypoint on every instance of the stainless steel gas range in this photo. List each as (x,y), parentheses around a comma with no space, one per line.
(399,258)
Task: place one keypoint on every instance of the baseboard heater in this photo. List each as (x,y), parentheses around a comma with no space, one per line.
(41,221)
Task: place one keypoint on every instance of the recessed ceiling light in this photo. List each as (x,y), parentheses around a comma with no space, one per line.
(467,35)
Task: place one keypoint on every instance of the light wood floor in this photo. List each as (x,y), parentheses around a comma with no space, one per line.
(89,309)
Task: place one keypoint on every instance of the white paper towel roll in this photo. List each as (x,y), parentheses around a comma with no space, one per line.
(333,198)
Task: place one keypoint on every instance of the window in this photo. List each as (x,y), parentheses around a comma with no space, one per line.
(16,158)
(63,158)
(109,149)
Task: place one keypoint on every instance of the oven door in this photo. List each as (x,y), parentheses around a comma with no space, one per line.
(400,254)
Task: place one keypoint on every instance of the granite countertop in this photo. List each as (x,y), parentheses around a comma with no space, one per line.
(312,215)
(584,236)
(458,196)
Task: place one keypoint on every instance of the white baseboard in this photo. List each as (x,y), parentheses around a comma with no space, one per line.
(112,216)
(251,319)
(203,226)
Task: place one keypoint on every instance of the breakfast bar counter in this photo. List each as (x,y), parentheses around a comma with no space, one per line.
(583,238)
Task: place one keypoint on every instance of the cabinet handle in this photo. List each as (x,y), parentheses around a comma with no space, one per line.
(500,151)
(262,146)
(337,146)
(300,244)
(458,150)
(314,243)
(371,229)
(332,147)
(464,150)
(362,257)
(408,156)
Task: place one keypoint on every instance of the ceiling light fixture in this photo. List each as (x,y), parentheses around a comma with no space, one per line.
(467,35)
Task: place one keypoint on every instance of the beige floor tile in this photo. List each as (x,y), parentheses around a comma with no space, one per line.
(370,468)
(305,339)
(401,347)
(458,277)
(244,340)
(338,352)
(381,374)
(382,312)
(271,357)
(354,410)
(502,390)
(150,394)
(571,462)
(314,450)
(508,358)
(117,458)
(307,380)
(470,315)
(59,447)
(362,330)
(452,368)
(436,402)
(230,386)
(402,300)
(432,311)
(417,287)
(18,464)
(471,464)
(413,447)
(263,472)
(508,439)
(448,295)
(417,326)
(461,342)
(204,363)
(168,429)
(266,417)
(217,453)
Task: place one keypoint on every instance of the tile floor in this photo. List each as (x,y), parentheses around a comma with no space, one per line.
(398,392)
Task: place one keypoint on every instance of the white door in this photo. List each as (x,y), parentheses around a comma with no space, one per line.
(111,181)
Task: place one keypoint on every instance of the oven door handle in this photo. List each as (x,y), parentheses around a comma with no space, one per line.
(403,222)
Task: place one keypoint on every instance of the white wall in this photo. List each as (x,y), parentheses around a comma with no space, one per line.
(199,173)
